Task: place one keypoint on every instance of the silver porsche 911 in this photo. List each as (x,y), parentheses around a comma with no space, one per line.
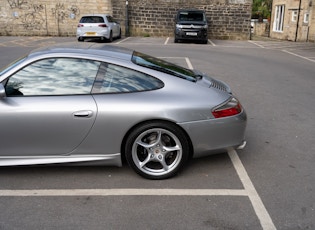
(97,104)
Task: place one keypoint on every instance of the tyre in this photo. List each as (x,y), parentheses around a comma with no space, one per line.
(80,39)
(119,36)
(110,39)
(157,150)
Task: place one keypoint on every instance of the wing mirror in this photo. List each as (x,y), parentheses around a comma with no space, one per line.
(2,91)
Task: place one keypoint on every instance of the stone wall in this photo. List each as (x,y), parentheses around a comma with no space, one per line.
(260,28)
(311,34)
(45,17)
(228,19)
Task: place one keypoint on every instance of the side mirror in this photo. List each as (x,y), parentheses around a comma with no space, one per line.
(2,91)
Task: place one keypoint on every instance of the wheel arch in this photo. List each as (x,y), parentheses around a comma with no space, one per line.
(123,144)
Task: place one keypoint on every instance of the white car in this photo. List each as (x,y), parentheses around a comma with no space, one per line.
(101,26)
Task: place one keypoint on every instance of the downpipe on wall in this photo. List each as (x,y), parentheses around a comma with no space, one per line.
(127,20)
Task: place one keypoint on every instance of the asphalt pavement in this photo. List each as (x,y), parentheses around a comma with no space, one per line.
(268,185)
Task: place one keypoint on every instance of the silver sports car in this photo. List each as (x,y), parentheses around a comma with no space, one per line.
(87,103)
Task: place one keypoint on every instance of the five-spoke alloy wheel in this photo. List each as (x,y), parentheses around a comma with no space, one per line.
(157,150)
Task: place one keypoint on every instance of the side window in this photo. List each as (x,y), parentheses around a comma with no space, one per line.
(119,79)
(54,76)
(110,19)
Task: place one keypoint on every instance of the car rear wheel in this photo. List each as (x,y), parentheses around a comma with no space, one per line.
(110,36)
(157,150)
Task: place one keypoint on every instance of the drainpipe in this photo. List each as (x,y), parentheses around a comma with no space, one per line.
(127,21)
(298,21)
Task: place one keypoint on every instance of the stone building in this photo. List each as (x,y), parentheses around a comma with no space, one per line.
(228,19)
(293,20)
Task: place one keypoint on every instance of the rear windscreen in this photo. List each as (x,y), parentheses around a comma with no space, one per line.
(191,16)
(163,66)
(92,19)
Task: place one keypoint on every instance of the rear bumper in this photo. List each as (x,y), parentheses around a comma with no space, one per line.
(181,34)
(216,135)
(103,34)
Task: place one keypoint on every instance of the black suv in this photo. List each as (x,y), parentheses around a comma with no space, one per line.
(191,24)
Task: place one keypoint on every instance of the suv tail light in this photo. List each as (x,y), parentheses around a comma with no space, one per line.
(231,108)
(80,25)
(102,25)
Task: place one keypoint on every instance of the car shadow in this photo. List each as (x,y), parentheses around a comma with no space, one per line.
(215,172)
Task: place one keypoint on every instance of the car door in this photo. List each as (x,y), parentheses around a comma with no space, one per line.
(48,109)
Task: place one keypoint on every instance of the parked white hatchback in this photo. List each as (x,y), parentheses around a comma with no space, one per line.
(100,26)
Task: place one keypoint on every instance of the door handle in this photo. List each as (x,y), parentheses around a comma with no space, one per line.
(83,113)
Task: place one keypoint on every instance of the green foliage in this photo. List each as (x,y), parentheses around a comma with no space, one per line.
(261,8)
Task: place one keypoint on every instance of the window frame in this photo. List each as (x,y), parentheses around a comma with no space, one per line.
(279,18)
(306,18)
(294,15)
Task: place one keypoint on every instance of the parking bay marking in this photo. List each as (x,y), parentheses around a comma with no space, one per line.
(166,41)
(261,212)
(249,191)
(298,55)
(190,66)
(211,42)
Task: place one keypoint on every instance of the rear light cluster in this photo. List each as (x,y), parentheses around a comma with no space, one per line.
(231,108)
(100,25)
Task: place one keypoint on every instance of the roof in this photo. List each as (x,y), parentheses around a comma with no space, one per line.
(101,15)
(85,48)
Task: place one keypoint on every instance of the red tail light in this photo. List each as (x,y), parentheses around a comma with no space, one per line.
(233,107)
(80,25)
(102,25)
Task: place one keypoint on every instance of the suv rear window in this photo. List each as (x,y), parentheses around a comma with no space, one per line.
(92,19)
(191,16)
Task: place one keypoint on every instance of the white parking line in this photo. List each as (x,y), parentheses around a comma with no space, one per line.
(122,40)
(189,63)
(211,42)
(166,41)
(249,191)
(261,46)
(298,55)
(124,192)
(261,212)
(186,59)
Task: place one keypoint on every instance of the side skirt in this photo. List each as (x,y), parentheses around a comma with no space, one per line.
(108,159)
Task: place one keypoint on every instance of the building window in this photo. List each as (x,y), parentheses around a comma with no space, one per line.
(306,17)
(279,16)
(294,15)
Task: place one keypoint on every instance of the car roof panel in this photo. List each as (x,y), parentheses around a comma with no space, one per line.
(84,49)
